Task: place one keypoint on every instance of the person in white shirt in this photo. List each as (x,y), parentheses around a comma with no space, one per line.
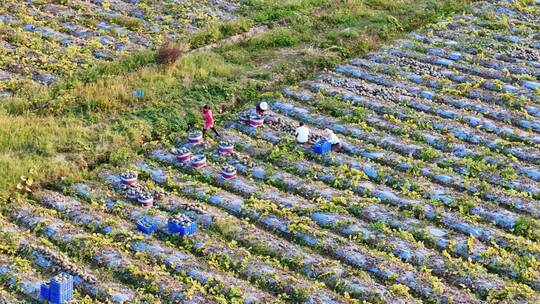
(302,133)
(261,108)
(332,138)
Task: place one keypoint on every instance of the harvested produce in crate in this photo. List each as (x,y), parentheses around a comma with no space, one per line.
(146,199)
(128,177)
(182,224)
(225,147)
(256,120)
(146,225)
(133,193)
(195,137)
(228,171)
(198,161)
(183,154)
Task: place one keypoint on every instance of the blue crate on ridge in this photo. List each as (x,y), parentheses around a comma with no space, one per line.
(44,291)
(59,290)
(182,225)
(322,146)
(146,225)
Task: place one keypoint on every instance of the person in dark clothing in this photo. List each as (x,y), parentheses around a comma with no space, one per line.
(208,120)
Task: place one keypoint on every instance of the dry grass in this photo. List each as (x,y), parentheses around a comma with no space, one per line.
(169,53)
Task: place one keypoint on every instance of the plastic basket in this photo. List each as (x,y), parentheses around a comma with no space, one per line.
(133,197)
(198,161)
(146,202)
(183,231)
(322,146)
(228,175)
(128,181)
(61,289)
(256,121)
(146,225)
(226,149)
(184,157)
(44,291)
(195,138)
(242,117)
(138,93)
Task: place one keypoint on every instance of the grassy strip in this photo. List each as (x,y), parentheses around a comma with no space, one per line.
(94,117)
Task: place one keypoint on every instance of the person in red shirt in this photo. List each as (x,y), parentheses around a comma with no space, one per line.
(208,120)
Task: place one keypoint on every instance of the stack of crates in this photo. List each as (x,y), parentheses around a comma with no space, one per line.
(322,146)
(59,290)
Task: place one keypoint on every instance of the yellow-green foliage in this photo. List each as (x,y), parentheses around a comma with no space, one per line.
(39,143)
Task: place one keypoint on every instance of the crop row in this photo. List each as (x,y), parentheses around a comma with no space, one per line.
(397,119)
(258,270)
(99,250)
(518,68)
(248,188)
(490,171)
(300,229)
(527,74)
(176,261)
(20,277)
(490,93)
(483,48)
(525,14)
(50,260)
(291,109)
(520,139)
(42,41)
(260,242)
(436,77)
(482,232)
(347,225)
(340,178)
(507,100)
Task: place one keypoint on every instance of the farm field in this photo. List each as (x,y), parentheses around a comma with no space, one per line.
(433,198)
(46,40)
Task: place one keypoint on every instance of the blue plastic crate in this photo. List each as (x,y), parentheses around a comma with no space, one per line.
(61,289)
(322,146)
(44,291)
(146,225)
(138,93)
(61,282)
(183,231)
(60,298)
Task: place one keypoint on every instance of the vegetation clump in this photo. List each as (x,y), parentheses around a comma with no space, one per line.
(169,53)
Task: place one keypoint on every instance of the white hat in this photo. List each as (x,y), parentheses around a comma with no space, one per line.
(263,105)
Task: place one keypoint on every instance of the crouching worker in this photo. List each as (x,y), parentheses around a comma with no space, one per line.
(261,108)
(332,138)
(302,133)
(208,120)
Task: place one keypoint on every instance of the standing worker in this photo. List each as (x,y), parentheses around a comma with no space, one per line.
(208,120)
(261,108)
(302,133)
